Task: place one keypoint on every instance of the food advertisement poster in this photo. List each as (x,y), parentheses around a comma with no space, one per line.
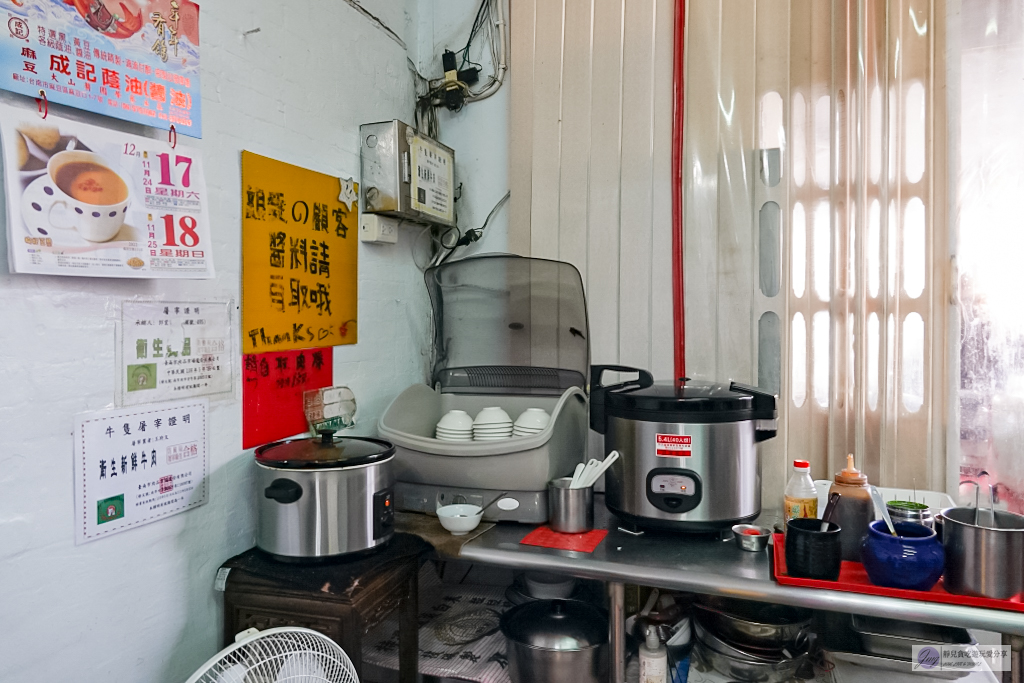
(87,201)
(136,465)
(299,247)
(174,350)
(273,385)
(136,60)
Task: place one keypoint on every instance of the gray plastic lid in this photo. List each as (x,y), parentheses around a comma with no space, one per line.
(556,625)
(508,324)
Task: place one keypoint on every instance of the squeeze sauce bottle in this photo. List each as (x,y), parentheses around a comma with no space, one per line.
(854,511)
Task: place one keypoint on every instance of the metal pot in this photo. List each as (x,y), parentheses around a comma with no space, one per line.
(556,640)
(324,497)
(688,453)
(755,624)
(982,561)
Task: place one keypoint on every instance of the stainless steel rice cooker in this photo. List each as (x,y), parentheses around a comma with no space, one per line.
(688,457)
(324,497)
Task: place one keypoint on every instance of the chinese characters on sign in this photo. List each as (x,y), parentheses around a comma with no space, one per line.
(84,200)
(174,350)
(105,57)
(134,466)
(273,385)
(433,181)
(299,251)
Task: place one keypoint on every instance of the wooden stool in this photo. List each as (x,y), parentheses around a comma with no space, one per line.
(341,599)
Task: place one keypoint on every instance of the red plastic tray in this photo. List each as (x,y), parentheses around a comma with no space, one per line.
(544,537)
(854,579)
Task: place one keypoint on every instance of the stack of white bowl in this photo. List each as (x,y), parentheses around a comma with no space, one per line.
(531,421)
(492,424)
(456,425)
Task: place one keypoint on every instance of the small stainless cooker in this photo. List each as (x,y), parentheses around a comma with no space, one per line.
(688,457)
(323,497)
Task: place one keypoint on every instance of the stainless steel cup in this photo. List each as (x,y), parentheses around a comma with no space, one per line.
(983,561)
(570,511)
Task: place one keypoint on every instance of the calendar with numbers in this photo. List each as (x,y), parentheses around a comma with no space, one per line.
(87,201)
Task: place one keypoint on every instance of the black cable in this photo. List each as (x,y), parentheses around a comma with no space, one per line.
(478,23)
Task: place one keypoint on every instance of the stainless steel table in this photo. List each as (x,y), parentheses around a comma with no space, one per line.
(713,567)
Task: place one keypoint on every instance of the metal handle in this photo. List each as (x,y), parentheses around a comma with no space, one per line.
(284,491)
(598,390)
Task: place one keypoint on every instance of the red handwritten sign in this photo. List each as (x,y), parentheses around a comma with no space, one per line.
(272,387)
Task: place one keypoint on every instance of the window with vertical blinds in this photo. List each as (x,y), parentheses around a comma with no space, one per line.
(845,176)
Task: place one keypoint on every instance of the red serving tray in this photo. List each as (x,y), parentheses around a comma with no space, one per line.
(854,579)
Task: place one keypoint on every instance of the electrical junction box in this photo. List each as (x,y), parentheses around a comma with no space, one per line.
(378,229)
(405,174)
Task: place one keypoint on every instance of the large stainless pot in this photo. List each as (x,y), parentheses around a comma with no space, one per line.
(324,497)
(550,641)
(982,561)
(688,453)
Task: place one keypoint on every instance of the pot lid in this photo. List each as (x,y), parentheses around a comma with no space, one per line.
(556,625)
(508,324)
(325,451)
(694,401)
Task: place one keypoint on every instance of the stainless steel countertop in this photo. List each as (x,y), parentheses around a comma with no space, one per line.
(710,566)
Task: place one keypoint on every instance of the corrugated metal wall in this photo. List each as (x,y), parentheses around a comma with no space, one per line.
(591,162)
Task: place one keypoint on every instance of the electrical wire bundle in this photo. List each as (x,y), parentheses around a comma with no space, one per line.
(489,25)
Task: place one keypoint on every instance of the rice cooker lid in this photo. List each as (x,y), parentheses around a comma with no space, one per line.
(694,401)
(325,451)
(556,625)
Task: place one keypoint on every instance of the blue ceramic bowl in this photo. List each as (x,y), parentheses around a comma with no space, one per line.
(913,559)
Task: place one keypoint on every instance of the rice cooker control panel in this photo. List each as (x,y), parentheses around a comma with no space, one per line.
(383,513)
(674,490)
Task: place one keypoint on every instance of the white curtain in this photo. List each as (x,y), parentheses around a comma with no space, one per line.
(816,249)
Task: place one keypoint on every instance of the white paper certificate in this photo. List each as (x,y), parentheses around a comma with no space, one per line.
(174,349)
(137,465)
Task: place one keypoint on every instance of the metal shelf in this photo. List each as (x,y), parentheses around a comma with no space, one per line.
(714,567)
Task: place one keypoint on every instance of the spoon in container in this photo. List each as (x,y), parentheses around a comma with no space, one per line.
(880,508)
(830,509)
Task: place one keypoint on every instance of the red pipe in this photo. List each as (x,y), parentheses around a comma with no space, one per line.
(678,102)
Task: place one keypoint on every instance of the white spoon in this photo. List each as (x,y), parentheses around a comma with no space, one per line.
(576,475)
(596,474)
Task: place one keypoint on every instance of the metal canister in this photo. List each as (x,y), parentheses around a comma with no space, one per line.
(570,511)
(902,514)
(983,561)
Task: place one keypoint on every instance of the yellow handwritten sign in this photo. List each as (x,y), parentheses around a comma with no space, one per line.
(299,257)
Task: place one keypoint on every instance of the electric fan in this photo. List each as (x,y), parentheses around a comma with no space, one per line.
(278,655)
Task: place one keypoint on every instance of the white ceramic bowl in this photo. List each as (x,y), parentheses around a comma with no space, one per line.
(442,430)
(446,437)
(546,586)
(493,415)
(460,519)
(492,430)
(533,418)
(456,419)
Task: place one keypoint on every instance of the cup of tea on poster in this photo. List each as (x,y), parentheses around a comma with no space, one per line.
(81,193)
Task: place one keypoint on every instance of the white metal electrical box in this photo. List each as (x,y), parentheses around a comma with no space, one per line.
(405,174)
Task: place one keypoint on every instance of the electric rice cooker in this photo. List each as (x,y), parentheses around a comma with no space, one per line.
(688,456)
(324,497)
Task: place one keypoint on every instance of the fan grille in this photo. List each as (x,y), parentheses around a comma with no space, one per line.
(280,655)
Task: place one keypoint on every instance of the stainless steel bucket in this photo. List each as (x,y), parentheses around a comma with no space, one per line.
(570,511)
(982,561)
